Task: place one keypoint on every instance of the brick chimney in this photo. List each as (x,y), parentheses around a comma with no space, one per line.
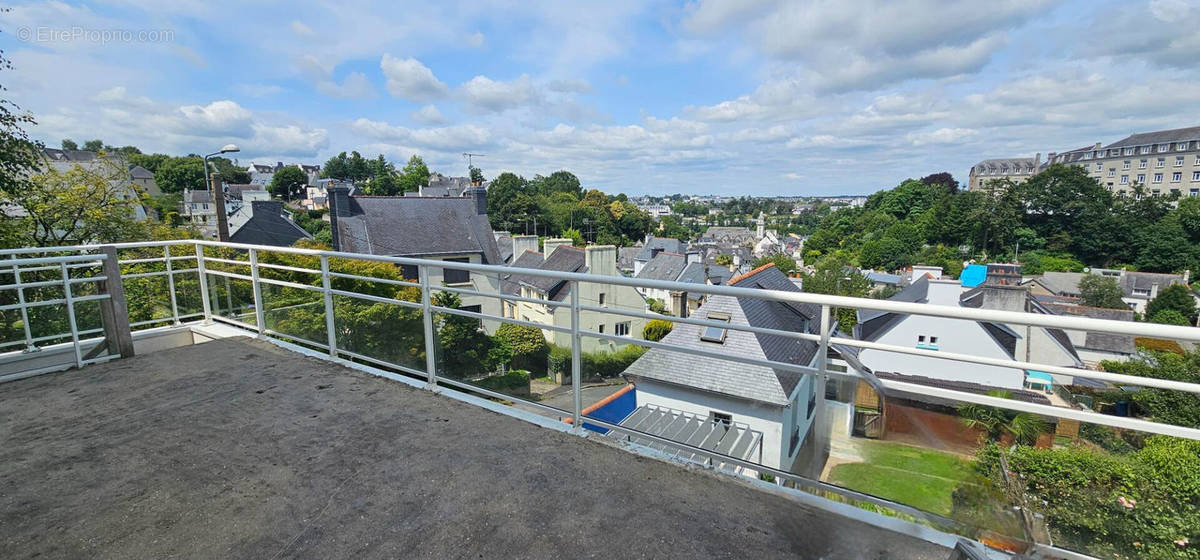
(601,259)
(339,207)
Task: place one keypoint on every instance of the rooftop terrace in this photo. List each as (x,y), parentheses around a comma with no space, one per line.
(240,449)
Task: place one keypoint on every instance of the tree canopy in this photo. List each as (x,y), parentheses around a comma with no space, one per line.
(288,183)
(1101,291)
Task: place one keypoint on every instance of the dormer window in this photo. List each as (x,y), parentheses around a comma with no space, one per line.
(714,333)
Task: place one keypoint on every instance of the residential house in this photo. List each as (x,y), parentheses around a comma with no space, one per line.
(143,180)
(780,405)
(652,246)
(958,336)
(261,174)
(267,223)
(441,185)
(1017,170)
(1164,161)
(448,229)
(1092,347)
(734,236)
(656,211)
(626,256)
(1138,287)
(918,271)
(673,267)
(559,256)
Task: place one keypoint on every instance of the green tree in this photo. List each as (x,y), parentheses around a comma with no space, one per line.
(656,329)
(1169,317)
(79,206)
(69,144)
(174,175)
(476,175)
(559,181)
(833,275)
(1163,405)
(783,262)
(888,254)
(230,173)
(465,348)
(575,236)
(1175,297)
(93,145)
(526,344)
(288,183)
(724,259)
(19,156)
(994,422)
(414,175)
(1101,291)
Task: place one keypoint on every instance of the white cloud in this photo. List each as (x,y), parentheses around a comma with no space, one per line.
(428,114)
(217,118)
(301,30)
(288,140)
(476,39)
(457,137)
(569,86)
(484,94)
(408,79)
(941,136)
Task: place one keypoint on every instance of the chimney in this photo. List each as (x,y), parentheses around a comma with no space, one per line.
(278,165)
(693,257)
(601,259)
(1037,159)
(679,304)
(339,207)
(522,243)
(1097,146)
(479,195)
(551,244)
(218,198)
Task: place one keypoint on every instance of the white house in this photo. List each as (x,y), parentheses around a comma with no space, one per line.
(959,336)
(261,174)
(780,405)
(674,267)
(560,256)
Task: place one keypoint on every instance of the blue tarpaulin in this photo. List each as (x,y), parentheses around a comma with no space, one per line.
(973,275)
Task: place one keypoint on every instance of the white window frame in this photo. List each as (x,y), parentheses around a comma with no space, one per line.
(622,328)
(1125,166)
(1178,161)
(1176,177)
(1158,178)
(1124,179)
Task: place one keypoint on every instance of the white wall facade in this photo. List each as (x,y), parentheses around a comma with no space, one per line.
(953,335)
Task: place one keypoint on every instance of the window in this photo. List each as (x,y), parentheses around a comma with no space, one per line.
(1176,177)
(1164,147)
(1178,161)
(1144,150)
(1128,151)
(621,329)
(455,276)
(933,340)
(1161,162)
(601,299)
(1112,172)
(715,334)
(1141,178)
(1125,165)
(1142,164)
(1180,146)
(1197,159)
(1196,175)
(1124,179)
(1158,177)
(812,404)
(1099,166)
(1194,192)
(600,329)
(920,339)
(721,418)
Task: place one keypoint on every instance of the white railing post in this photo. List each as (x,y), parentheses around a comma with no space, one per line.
(330,327)
(29,346)
(821,425)
(204,300)
(259,316)
(427,317)
(576,366)
(171,284)
(66,279)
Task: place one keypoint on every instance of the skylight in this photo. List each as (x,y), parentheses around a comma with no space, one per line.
(715,334)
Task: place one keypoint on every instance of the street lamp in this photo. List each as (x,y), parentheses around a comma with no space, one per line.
(227,148)
(218,194)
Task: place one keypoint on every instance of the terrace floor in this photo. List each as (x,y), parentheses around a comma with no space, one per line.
(239,449)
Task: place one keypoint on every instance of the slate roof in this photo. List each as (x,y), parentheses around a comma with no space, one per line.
(965,386)
(236,190)
(665,266)
(750,382)
(505,245)
(719,275)
(1131,281)
(1103,342)
(55,154)
(884,278)
(197,196)
(415,227)
(139,172)
(663,244)
(1061,283)
(267,226)
(1158,137)
(626,256)
(511,284)
(563,259)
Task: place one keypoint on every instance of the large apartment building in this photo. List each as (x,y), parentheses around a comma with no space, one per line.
(1013,169)
(1163,162)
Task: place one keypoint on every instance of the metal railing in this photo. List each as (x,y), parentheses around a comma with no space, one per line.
(216,272)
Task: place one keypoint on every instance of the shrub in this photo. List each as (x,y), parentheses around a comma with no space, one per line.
(656,329)
(527,345)
(1158,344)
(595,364)
(514,382)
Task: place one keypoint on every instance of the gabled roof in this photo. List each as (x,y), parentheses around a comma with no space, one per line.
(660,244)
(626,256)
(750,382)
(267,226)
(416,227)
(564,258)
(511,283)
(505,245)
(139,172)
(664,266)
(1158,137)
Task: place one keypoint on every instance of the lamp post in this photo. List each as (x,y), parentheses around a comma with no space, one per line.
(218,194)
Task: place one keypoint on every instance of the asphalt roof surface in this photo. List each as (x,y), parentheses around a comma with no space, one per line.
(239,449)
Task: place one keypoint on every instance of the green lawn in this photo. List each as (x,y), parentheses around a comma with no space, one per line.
(918,477)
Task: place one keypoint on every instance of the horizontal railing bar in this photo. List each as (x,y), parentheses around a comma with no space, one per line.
(44,303)
(234,262)
(288,268)
(141,261)
(486,317)
(373,279)
(234,322)
(500,296)
(287,284)
(701,322)
(1117,378)
(377,299)
(50,337)
(274,332)
(1043,409)
(229,274)
(9,263)
(731,357)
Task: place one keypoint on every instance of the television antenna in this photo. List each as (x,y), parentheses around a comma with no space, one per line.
(469,155)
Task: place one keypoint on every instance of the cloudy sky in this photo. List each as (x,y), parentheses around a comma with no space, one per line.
(725,96)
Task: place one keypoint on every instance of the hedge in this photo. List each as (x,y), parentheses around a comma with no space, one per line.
(595,364)
(515,381)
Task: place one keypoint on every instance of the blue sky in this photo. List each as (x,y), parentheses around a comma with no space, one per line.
(727,97)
